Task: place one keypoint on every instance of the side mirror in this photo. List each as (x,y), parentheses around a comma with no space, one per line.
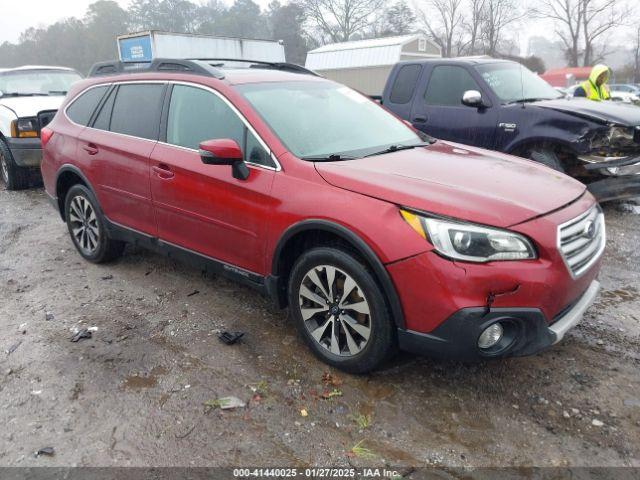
(224,151)
(472,98)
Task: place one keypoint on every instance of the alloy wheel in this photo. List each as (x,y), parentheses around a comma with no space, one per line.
(335,310)
(84,225)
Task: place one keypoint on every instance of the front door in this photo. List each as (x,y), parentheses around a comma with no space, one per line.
(201,207)
(439,111)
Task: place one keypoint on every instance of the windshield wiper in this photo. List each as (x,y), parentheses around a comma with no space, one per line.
(529,100)
(396,148)
(334,157)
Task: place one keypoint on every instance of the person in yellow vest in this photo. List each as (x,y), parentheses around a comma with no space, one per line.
(595,87)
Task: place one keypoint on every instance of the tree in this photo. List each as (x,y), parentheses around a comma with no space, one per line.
(473,25)
(339,20)
(567,17)
(285,23)
(497,14)
(598,18)
(169,15)
(103,22)
(443,21)
(243,19)
(398,19)
(636,55)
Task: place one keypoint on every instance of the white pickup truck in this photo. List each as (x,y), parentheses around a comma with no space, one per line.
(29,99)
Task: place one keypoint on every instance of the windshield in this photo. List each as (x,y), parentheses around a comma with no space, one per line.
(321,119)
(512,82)
(37,82)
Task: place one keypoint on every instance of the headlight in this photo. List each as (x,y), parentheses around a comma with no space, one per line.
(24,127)
(614,137)
(469,242)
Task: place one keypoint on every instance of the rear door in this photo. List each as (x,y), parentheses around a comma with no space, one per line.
(400,89)
(202,208)
(116,148)
(438,109)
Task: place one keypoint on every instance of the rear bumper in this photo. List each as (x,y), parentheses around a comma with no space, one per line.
(526,331)
(27,152)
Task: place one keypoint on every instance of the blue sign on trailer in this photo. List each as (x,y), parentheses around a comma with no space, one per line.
(135,49)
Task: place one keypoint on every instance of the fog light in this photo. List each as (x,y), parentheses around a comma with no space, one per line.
(491,336)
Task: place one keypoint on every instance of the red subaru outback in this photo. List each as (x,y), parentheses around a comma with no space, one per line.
(374,235)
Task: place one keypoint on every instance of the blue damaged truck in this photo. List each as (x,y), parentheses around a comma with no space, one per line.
(503,106)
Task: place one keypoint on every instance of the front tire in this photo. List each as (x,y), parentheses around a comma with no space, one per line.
(13,176)
(340,311)
(546,157)
(87,227)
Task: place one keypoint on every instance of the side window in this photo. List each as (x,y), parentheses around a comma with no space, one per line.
(136,110)
(103,119)
(82,108)
(447,86)
(196,115)
(255,153)
(404,84)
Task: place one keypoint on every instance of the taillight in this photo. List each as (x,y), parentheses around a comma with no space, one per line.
(45,136)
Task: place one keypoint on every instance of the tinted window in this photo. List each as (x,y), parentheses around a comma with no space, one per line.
(405,83)
(196,115)
(447,86)
(136,110)
(104,116)
(82,108)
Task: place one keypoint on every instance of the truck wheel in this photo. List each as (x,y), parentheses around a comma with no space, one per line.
(546,157)
(13,176)
(87,227)
(340,311)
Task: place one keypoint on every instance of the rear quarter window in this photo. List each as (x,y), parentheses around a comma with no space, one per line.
(405,83)
(136,110)
(84,105)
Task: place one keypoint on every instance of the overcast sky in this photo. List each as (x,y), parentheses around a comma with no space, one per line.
(18,15)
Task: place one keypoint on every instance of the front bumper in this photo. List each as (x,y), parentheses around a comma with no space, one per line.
(27,152)
(526,331)
(621,176)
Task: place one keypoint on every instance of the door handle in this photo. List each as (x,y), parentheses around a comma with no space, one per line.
(91,149)
(163,171)
(419,119)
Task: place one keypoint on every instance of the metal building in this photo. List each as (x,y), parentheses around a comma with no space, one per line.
(365,64)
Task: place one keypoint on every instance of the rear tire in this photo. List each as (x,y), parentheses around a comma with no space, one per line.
(13,176)
(87,227)
(546,157)
(340,311)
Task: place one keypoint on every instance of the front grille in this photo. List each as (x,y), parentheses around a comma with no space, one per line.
(45,117)
(581,241)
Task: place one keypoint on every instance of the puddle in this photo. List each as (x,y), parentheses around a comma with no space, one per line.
(138,382)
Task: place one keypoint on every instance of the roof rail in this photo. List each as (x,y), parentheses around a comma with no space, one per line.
(157,65)
(290,67)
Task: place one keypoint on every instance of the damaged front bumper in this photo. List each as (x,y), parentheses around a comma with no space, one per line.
(526,331)
(621,176)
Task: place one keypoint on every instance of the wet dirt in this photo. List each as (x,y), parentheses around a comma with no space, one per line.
(135,393)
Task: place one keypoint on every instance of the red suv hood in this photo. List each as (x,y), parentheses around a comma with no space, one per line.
(458,181)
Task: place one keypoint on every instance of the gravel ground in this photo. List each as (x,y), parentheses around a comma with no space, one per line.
(136,393)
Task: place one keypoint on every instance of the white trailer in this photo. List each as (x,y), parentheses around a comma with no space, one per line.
(145,46)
